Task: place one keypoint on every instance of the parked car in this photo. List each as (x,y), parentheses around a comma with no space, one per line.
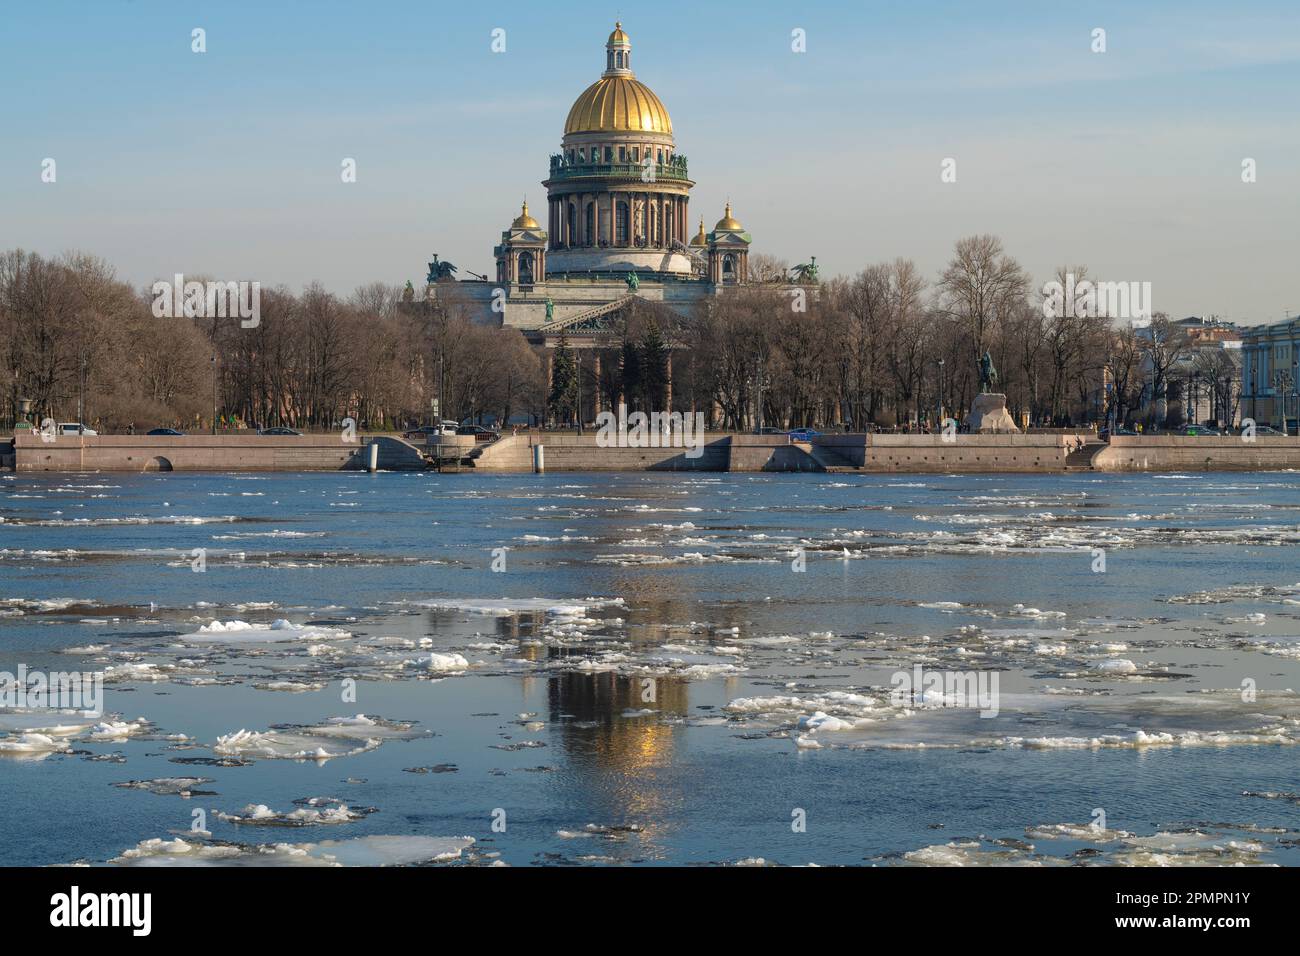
(803,434)
(1196,430)
(1266,430)
(164,431)
(278,430)
(768,430)
(479,432)
(1105,433)
(75,428)
(425,432)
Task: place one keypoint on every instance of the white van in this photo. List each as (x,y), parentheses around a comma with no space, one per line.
(75,428)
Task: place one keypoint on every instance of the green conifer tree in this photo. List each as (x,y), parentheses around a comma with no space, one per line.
(563,399)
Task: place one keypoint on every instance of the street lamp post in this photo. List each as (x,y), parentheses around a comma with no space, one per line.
(1282,381)
(214,393)
(939,410)
(81,397)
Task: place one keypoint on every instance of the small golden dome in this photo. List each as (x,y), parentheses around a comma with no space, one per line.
(727,224)
(618,36)
(525,221)
(618,104)
(700,238)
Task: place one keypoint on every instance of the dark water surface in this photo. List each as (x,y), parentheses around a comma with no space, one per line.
(654,648)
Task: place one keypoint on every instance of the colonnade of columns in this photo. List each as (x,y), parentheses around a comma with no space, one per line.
(654,218)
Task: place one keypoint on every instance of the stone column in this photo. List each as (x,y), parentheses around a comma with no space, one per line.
(668,391)
(550,369)
(596,375)
(577,371)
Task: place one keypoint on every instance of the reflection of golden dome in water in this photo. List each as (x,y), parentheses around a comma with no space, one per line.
(727,224)
(618,102)
(525,221)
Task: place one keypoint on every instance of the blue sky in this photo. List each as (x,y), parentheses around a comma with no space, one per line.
(227,162)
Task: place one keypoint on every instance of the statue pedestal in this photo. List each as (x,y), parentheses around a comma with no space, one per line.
(989,415)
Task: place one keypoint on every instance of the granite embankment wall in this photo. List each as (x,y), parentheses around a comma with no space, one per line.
(209,453)
(1198,453)
(752,453)
(969,453)
(721,452)
(563,451)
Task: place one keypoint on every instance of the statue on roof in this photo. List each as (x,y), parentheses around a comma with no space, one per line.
(805,272)
(633,283)
(439,270)
(408,294)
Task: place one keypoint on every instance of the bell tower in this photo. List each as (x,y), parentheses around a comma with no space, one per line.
(521,257)
(728,247)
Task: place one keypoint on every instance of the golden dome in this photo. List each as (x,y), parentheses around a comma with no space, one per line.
(618,104)
(700,238)
(727,224)
(618,36)
(525,221)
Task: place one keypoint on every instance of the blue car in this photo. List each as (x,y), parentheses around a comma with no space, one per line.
(803,434)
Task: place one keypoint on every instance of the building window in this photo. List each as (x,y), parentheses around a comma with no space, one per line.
(659,157)
(621,231)
(622,154)
(609,154)
(636,153)
(582,155)
(589,234)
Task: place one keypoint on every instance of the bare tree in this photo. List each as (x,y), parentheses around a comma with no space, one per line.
(980,286)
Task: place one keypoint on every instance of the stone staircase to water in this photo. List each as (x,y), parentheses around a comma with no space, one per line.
(830,460)
(1081,459)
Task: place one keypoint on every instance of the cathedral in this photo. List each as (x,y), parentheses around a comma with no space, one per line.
(618,228)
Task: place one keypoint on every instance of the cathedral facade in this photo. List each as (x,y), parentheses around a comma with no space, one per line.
(618,227)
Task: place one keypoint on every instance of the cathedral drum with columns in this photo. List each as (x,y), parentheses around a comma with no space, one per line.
(618,230)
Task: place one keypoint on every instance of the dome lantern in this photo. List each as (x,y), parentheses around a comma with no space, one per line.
(618,53)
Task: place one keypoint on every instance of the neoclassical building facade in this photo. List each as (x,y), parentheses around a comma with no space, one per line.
(1270,374)
(618,227)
